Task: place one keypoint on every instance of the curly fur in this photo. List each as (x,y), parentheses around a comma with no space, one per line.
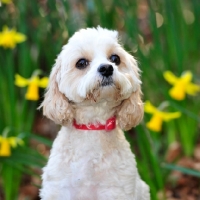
(93,165)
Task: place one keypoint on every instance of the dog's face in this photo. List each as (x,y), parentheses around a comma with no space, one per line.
(92,68)
(95,67)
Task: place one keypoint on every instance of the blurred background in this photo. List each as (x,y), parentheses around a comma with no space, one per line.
(162,35)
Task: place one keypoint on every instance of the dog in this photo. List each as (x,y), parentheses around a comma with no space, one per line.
(94,93)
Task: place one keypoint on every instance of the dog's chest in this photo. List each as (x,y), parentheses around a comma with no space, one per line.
(87,170)
(90,160)
(88,164)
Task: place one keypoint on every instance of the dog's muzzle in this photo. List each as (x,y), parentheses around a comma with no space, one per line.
(106,71)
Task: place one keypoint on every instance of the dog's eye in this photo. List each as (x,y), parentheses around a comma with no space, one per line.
(115,59)
(82,63)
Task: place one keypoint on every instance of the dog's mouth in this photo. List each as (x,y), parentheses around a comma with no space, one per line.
(105,89)
(106,81)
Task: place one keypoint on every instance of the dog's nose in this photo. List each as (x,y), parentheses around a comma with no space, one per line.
(105,70)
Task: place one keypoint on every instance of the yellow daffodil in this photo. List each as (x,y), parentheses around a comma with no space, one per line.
(6,143)
(6,1)
(9,38)
(181,85)
(155,123)
(33,85)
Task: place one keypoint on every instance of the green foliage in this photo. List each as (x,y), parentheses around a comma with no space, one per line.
(162,35)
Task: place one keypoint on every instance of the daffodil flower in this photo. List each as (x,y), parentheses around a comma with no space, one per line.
(9,38)
(33,85)
(155,123)
(181,85)
(6,143)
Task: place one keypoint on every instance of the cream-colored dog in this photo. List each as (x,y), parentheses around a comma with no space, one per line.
(94,93)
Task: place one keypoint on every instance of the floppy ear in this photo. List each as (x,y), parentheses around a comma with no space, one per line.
(130,112)
(56,106)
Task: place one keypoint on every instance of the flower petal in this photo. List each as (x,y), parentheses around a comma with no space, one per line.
(20,141)
(149,108)
(5,148)
(20,81)
(166,116)
(44,82)
(6,1)
(34,80)
(178,92)
(155,123)
(186,77)
(12,141)
(19,37)
(170,77)
(192,89)
(32,92)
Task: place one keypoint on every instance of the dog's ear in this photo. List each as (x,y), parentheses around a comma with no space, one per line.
(56,106)
(131,111)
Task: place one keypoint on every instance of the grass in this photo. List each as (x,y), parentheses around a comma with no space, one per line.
(171,46)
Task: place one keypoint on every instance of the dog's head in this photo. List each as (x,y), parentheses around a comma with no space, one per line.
(93,68)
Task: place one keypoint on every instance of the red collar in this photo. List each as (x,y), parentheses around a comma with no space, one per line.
(110,125)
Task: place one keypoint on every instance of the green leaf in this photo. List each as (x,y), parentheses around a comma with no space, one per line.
(184,170)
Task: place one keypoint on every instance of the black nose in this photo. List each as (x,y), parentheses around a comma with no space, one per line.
(105,70)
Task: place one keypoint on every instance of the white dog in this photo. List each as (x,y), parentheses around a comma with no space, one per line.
(94,93)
